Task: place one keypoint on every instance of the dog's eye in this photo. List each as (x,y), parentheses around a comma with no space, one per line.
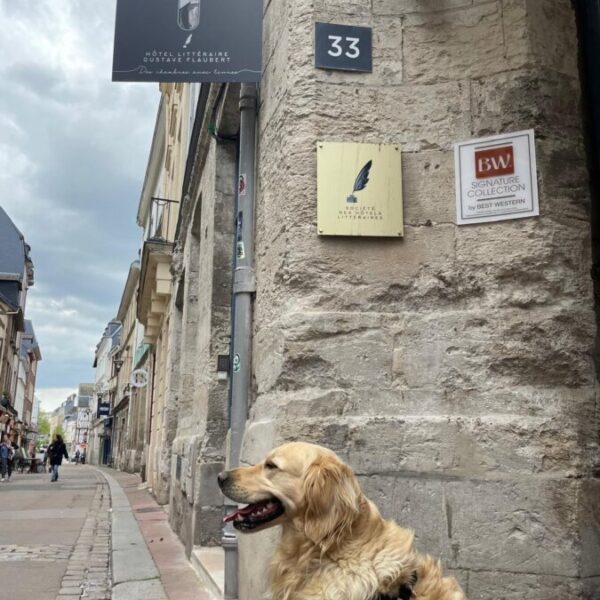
(270,465)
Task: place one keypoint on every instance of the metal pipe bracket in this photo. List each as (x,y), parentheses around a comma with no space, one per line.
(244,281)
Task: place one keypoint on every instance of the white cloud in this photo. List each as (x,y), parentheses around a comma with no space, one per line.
(52,398)
(73,154)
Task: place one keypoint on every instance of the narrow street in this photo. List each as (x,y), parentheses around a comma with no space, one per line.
(81,538)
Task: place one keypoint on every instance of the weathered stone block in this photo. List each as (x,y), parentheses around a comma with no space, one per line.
(541,261)
(405,7)
(439,46)
(208,523)
(484,585)
(552,34)
(207,491)
(428,182)
(352,8)
(418,117)
(537,100)
(589,525)
(532,523)
(259,439)
(491,446)
(307,402)
(366,262)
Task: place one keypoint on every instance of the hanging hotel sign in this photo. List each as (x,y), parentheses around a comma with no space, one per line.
(496,178)
(188,40)
(359,189)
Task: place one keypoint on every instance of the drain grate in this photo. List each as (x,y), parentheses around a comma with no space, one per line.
(149,509)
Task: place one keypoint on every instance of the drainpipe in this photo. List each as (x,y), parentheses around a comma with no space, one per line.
(244,286)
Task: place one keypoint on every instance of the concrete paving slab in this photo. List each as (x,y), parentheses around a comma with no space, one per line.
(146,590)
(133,565)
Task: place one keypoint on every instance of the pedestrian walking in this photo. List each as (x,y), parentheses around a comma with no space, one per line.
(77,456)
(6,453)
(56,451)
(18,460)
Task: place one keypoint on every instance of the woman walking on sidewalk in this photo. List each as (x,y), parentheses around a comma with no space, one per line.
(56,451)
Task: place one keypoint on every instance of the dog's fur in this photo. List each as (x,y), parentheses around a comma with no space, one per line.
(335,545)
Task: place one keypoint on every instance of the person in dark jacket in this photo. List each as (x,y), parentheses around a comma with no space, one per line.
(6,453)
(56,451)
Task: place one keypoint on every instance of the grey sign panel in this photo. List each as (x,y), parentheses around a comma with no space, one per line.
(188,40)
(343,47)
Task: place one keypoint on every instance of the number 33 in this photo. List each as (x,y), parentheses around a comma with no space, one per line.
(336,49)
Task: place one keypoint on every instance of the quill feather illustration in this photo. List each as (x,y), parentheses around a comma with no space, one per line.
(361,182)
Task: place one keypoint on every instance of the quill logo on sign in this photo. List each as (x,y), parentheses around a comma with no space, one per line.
(361,182)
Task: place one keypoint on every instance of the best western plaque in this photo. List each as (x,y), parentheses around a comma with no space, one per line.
(188,40)
(359,189)
(496,178)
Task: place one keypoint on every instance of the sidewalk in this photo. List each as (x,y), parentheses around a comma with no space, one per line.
(149,561)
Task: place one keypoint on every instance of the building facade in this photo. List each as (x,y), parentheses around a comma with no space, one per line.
(158,214)
(129,413)
(454,368)
(100,436)
(29,357)
(16,277)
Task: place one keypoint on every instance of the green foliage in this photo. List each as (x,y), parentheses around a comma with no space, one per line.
(43,424)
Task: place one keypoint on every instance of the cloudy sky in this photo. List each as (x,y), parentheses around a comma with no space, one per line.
(73,151)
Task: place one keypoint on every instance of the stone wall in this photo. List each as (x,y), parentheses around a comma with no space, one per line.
(452,368)
(202,304)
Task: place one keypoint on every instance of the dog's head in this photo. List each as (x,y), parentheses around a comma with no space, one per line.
(297,482)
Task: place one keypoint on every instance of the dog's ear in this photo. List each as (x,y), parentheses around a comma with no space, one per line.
(332,501)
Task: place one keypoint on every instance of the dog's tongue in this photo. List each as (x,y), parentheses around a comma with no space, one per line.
(243,512)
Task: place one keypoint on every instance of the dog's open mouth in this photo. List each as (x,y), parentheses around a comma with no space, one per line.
(253,515)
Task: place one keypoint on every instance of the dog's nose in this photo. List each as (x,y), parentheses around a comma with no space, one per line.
(222,477)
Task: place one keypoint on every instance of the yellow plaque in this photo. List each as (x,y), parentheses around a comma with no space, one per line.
(359,189)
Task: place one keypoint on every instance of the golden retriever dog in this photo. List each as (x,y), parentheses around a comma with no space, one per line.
(335,545)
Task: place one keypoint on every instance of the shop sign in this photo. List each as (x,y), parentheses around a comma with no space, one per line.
(359,189)
(104,409)
(343,47)
(84,418)
(139,378)
(496,178)
(188,40)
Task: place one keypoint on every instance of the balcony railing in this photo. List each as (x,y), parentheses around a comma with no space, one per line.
(161,219)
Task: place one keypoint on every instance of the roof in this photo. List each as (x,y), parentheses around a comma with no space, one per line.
(29,344)
(112,332)
(128,292)
(85,389)
(153,169)
(14,261)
